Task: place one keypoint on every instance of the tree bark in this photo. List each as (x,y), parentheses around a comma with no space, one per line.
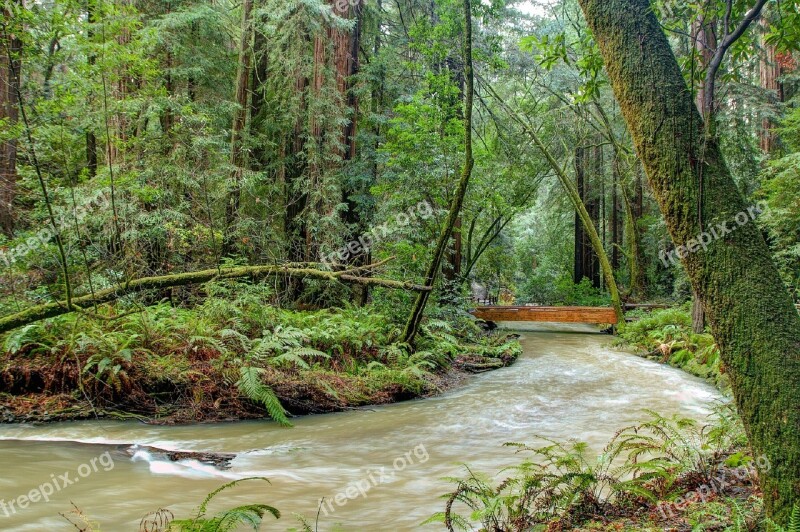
(751,314)
(616,218)
(586,178)
(770,72)
(579,264)
(91,138)
(10,65)
(704,42)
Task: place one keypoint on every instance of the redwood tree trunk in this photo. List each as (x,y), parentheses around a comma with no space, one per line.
(579,272)
(751,314)
(10,64)
(238,147)
(586,261)
(770,72)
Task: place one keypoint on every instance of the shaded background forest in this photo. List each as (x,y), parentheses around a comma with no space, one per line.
(178,136)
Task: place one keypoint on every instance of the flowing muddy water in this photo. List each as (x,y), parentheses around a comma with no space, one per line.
(568,384)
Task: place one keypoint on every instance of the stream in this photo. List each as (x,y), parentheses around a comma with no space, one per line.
(378,468)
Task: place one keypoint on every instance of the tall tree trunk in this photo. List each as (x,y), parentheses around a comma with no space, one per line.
(751,314)
(377,106)
(10,66)
(704,42)
(770,72)
(292,170)
(91,138)
(414,320)
(347,65)
(616,218)
(588,163)
(579,266)
(120,90)
(327,146)
(238,146)
(258,97)
(593,197)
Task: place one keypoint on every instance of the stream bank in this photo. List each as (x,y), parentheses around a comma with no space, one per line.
(233,360)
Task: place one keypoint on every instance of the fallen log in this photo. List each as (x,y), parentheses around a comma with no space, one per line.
(58,308)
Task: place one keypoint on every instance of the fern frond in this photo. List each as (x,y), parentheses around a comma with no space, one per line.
(251,385)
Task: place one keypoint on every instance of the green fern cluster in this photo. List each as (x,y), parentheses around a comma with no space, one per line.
(250,383)
(667,334)
(237,338)
(557,482)
(792,526)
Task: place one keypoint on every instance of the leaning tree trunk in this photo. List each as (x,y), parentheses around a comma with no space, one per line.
(751,313)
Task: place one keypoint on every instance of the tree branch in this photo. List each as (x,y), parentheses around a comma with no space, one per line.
(58,308)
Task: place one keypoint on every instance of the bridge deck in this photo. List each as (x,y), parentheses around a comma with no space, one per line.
(555,314)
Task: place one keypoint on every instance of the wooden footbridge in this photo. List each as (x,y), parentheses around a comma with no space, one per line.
(552,314)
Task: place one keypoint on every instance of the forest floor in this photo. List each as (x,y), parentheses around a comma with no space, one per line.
(229,359)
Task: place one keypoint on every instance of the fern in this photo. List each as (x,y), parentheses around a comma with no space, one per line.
(251,515)
(792,526)
(31,334)
(251,385)
(296,355)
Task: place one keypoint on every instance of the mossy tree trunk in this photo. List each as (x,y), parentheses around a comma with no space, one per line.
(139,286)
(750,312)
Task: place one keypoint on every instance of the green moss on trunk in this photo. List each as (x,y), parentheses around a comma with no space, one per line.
(749,309)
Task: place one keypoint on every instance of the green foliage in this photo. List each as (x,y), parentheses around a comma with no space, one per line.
(563,485)
(792,526)
(249,515)
(667,335)
(235,343)
(251,385)
(782,216)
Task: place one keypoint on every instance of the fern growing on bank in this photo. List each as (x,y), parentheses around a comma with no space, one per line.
(667,336)
(251,385)
(563,484)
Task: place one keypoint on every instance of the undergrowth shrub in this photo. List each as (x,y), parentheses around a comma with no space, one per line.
(236,339)
(666,335)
